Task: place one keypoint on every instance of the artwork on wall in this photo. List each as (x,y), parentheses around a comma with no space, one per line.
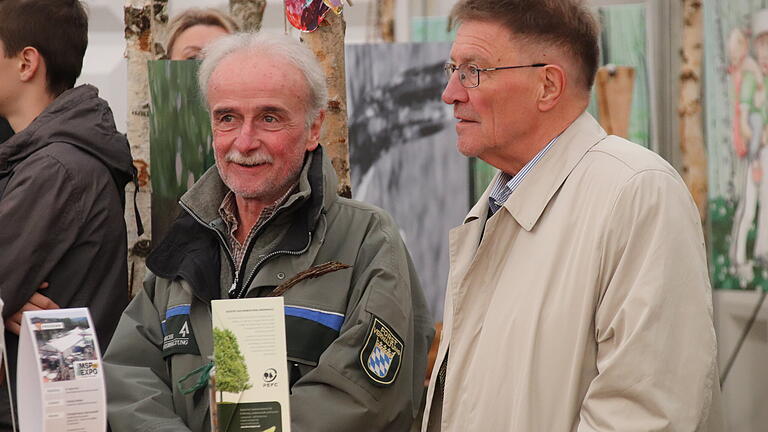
(736,74)
(179,136)
(402,145)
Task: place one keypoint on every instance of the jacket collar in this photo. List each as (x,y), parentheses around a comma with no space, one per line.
(527,203)
(191,249)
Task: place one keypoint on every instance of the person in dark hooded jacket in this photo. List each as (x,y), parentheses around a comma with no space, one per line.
(62,176)
(5,130)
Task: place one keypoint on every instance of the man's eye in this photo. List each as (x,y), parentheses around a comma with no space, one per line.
(227,118)
(270,119)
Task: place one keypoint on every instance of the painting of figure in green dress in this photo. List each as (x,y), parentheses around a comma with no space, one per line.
(179,135)
(736,73)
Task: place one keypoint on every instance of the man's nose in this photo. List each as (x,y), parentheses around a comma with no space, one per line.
(247,139)
(454,91)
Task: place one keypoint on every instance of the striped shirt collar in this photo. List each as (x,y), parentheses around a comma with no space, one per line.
(505,183)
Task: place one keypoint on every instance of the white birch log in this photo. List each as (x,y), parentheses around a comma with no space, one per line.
(692,147)
(327,42)
(139,49)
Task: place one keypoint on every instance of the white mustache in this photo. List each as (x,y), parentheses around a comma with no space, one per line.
(251,159)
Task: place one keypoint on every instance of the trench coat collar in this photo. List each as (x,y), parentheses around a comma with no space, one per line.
(527,203)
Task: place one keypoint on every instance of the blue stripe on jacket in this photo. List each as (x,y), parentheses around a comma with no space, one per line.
(329,319)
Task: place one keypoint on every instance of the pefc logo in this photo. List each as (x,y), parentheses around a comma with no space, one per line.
(270,375)
(86,369)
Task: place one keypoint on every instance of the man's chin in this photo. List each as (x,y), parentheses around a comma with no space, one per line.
(466,148)
(250,194)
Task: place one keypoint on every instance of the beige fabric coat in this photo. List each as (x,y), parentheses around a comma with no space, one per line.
(583,304)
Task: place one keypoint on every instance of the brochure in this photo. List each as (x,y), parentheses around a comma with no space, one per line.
(251,373)
(60,379)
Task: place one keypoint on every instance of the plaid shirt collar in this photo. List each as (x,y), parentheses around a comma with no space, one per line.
(228,213)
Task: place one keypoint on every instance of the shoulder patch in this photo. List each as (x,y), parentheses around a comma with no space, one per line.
(381,355)
(178,337)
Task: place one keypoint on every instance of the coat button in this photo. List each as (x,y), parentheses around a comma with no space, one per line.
(281,275)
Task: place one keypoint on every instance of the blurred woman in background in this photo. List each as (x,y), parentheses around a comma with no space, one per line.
(193,29)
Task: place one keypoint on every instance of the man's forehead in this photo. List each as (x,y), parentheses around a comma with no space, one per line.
(253,65)
(245,71)
(481,41)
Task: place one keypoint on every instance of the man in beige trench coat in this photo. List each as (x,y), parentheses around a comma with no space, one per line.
(578,297)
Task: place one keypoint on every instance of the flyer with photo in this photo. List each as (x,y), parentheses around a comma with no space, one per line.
(251,373)
(60,377)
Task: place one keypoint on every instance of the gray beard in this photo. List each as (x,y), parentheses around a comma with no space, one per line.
(272,190)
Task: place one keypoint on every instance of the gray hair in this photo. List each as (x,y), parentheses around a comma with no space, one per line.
(265,44)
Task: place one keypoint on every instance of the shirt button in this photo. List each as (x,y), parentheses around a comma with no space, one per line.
(281,275)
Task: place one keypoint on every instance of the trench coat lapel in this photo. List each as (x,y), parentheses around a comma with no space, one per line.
(527,203)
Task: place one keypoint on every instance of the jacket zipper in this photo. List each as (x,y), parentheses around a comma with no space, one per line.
(256,268)
(223,241)
(236,291)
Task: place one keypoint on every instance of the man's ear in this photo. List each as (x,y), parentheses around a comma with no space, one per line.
(314,131)
(30,63)
(553,82)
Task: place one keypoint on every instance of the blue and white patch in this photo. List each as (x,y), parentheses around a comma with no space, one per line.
(178,336)
(382,353)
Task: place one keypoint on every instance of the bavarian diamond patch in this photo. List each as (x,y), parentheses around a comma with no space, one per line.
(381,354)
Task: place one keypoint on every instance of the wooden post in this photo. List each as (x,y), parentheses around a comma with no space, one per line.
(248,13)
(385,19)
(613,87)
(327,42)
(141,16)
(689,106)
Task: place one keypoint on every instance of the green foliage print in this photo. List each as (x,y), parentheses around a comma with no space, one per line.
(231,371)
(179,135)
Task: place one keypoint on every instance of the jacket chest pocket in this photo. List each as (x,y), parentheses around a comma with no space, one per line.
(309,332)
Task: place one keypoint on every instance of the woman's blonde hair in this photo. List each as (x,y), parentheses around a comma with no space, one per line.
(193,17)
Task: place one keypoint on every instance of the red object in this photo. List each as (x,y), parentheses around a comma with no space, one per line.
(305,15)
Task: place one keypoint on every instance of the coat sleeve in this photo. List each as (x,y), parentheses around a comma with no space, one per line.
(139,392)
(338,394)
(656,349)
(40,219)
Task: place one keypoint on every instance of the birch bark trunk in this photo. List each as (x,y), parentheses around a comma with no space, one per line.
(141,17)
(692,147)
(248,14)
(327,42)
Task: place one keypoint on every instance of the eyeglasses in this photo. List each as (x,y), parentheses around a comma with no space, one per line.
(469,74)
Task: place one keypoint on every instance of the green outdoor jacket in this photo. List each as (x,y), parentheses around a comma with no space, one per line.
(332,389)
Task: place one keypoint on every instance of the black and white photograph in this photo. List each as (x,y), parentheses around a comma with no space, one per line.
(402,150)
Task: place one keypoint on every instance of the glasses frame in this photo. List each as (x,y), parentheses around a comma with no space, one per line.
(453,68)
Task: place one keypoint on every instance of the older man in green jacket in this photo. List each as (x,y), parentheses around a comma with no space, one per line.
(266,213)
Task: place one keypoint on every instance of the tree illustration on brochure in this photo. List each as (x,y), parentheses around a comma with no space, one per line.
(231,371)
